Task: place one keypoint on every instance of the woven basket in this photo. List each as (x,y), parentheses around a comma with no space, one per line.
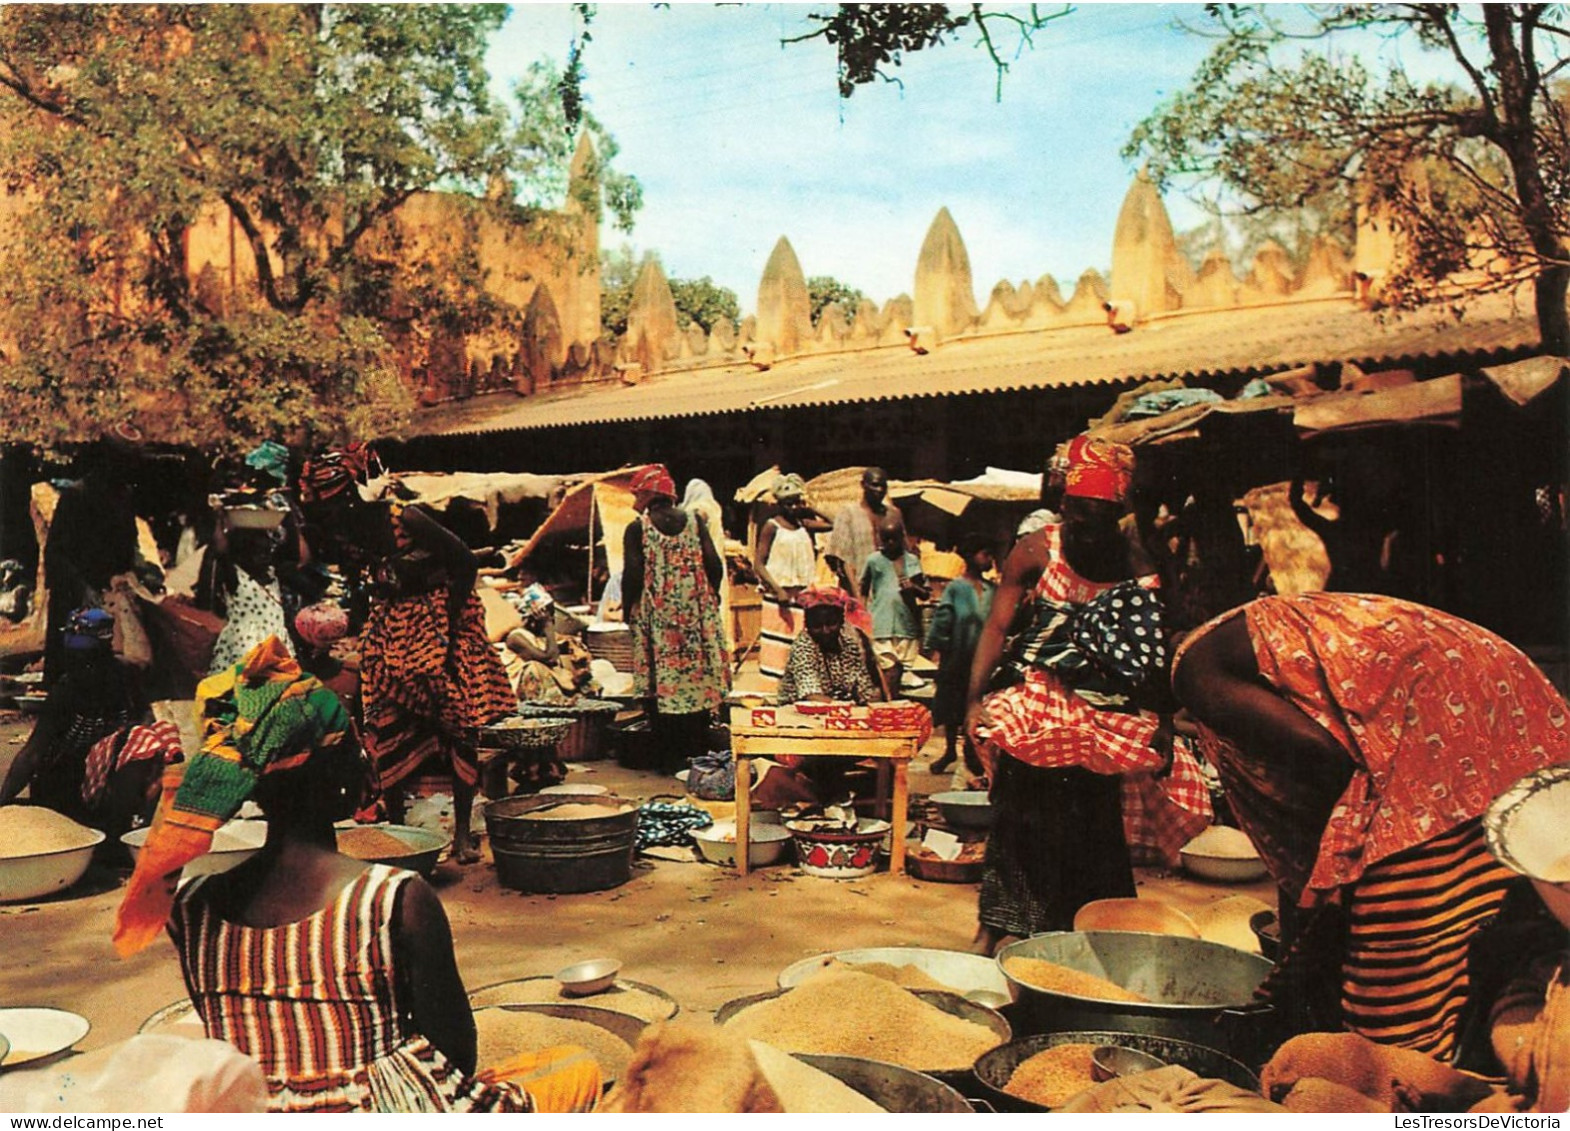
(524,733)
(610,644)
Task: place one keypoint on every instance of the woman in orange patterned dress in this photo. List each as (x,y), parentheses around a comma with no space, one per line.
(428,674)
(1359,739)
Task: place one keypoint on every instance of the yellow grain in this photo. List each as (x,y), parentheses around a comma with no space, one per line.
(847,1013)
(504,1033)
(1053,1076)
(32,830)
(1050,977)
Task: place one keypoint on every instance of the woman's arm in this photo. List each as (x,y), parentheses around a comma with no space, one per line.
(447,548)
(632,566)
(713,567)
(760,558)
(519,642)
(427,975)
(1021,570)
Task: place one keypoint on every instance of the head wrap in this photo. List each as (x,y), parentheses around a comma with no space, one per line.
(654,480)
(88,628)
(270,457)
(831,597)
(332,473)
(262,716)
(788,487)
(1098,469)
(321,625)
(698,491)
(534,600)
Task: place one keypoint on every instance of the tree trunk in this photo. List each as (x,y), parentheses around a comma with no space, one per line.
(1553,322)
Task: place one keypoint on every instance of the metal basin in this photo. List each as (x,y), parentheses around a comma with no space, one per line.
(1199,991)
(993,1069)
(961,972)
(895,1089)
(948,1003)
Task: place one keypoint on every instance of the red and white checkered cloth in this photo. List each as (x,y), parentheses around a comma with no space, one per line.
(1042,723)
(157,740)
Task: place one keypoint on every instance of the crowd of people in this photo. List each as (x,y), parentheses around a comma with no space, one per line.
(1357,738)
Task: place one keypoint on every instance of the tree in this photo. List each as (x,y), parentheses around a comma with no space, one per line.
(705,302)
(697,300)
(126,129)
(1473,173)
(824,289)
(872,39)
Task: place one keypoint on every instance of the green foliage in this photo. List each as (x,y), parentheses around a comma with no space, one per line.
(1473,173)
(130,133)
(704,301)
(697,300)
(873,39)
(824,289)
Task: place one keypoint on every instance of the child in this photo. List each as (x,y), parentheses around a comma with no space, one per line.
(893,582)
(956,625)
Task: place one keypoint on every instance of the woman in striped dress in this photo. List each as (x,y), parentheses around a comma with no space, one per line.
(337,976)
(1359,739)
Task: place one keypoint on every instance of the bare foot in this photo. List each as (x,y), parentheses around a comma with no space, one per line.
(466,853)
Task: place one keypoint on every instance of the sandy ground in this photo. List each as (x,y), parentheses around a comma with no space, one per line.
(702,934)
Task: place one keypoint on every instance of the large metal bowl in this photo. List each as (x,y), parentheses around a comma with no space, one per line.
(234,842)
(44,873)
(424,848)
(961,972)
(895,1089)
(994,1068)
(965,808)
(766,844)
(1199,991)
(952,1004)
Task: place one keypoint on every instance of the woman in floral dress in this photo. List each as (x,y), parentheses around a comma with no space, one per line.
(670,585)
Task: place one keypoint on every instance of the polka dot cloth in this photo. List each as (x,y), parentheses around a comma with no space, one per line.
(1121,632)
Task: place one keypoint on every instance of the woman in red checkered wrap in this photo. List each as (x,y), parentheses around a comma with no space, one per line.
(1082,768)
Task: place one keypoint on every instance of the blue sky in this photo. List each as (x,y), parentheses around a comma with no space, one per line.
(738,140)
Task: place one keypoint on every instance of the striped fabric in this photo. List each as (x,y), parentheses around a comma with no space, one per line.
(778,626)
(1410,921)
(315,1002)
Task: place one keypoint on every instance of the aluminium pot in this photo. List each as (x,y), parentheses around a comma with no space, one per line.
(891,1087)
(1201,992)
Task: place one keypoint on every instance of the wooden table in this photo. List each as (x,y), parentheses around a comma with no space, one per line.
(894,747)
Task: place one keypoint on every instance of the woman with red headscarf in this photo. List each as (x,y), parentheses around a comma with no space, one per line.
(670,588)
(1072,747)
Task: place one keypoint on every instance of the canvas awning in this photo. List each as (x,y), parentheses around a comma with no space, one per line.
(437,489)
(595,511)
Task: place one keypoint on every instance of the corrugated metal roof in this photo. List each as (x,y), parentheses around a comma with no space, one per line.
(1200,344)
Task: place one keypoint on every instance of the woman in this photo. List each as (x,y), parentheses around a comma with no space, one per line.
(1359,738)
(246,591)
(831,659)
(699,499)
(786,562)
(337,976)
(543,668)
(94,699)
(1072,751)
(428,674)
(669,584)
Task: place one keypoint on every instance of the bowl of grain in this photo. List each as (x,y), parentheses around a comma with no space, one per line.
(1045,1071)
(624,996)
(504,1031)
(41,852)
(844,1012)
(914,967)
(1223,853)
(401,846)
(234,843)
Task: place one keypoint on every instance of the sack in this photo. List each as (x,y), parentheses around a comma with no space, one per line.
(667,823)
(131,644)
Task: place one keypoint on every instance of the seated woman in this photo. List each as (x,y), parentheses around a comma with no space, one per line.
(338,976)
(543,667)
(831,660)
(80,759)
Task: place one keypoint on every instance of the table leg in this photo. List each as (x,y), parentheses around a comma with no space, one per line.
(743,813)
(900,826)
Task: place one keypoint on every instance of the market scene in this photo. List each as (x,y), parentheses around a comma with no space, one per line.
(453,658)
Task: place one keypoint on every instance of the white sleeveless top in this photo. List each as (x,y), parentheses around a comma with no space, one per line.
(793,562)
